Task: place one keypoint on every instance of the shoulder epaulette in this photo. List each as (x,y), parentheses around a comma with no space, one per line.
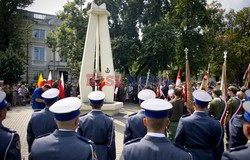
(8,129)
(179,146)
(237,148)
(133,141)
(107,115)
(43,135)
(37,110)
(132,114)
(185,115)
(83,115)
(86,140)
(212,116)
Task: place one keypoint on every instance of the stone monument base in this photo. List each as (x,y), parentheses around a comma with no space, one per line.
(108,108)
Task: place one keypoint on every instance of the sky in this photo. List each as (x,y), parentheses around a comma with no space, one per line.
(53,6)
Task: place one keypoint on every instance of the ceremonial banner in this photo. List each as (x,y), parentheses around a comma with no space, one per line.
(223,88)
(188,89)
(204,83)
(247,77)
(40,82)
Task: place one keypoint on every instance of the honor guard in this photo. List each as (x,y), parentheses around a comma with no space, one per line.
(217,105)
(99,128)
(241,152)
(42,122)
(134,127)
(200,134)
(64,143)
(237,137)
(9,139)
(154,145)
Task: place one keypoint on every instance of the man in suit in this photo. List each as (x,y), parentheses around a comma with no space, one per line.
(64,143)
(134,127)
(241,152)
(154,145)
(99,128)
(200,134)
(42,122)
(9,139)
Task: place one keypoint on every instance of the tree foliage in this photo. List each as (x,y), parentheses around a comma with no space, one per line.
(11,65)
(153,34)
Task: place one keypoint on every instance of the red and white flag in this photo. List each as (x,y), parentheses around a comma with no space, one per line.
(178,79)
(50,79)
(61,87)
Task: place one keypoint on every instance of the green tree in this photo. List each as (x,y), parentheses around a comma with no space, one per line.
(11,65)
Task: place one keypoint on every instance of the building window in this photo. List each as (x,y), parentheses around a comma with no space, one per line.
(39,55)
(36,74)
(39,34)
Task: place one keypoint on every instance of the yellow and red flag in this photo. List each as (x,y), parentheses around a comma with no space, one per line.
(102,85)
(40,82)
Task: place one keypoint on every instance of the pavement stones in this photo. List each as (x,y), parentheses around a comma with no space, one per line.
(19,117)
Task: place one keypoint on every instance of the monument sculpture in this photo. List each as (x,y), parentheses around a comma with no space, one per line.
(97,62)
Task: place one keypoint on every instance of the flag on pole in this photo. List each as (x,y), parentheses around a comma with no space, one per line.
(102,85)
(61,87)
(50,79)
(246,77)
(178,79)
(204,83)
(223,88)
(188,97)
(40,82)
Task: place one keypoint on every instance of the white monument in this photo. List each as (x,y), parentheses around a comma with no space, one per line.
(97,61)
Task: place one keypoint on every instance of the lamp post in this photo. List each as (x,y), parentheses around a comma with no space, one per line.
(54,58)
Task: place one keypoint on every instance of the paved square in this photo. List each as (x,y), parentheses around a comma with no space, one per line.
(19,117)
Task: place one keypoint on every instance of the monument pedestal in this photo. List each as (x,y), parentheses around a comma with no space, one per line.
(108,108)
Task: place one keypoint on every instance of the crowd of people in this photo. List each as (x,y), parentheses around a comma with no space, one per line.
(164,128)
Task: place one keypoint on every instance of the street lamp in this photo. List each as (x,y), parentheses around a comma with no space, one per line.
(54,57)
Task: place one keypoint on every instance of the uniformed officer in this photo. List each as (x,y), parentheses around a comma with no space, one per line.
(241,152)
(64,143)
(200,134)
(154,145)
(99,128)
(237,137)
(134,127)
(9,139)
(42,122)
(233,105)
(217,105)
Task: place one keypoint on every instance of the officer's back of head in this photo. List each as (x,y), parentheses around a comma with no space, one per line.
(156,111)
(66,112)
(201,99)
(96,99)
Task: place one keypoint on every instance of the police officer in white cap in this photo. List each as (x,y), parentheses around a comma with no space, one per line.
(200,134)
(9,139)
(99,128)
(42,122)
(154,145)
(64,143)
(241,152)
(237,137)
(134,127)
